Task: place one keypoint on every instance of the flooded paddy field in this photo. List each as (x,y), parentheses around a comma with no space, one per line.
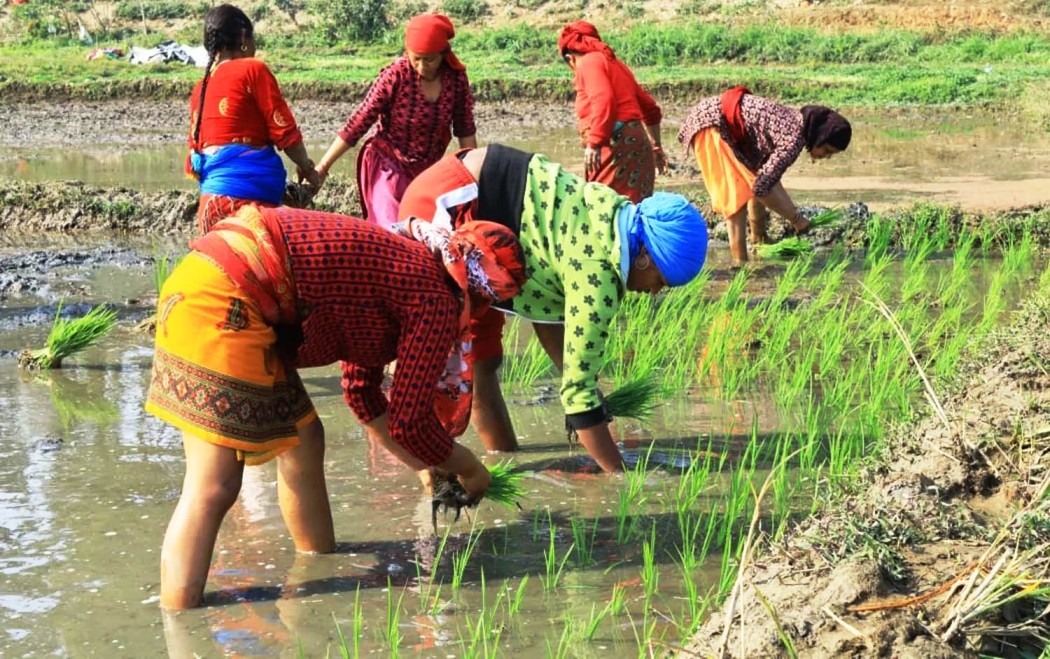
(975,159)
(785,374)
(782,374)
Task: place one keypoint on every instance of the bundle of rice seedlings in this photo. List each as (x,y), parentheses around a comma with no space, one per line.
(787,248)
(635,400)
(505,488)
(68,337)
(827,218)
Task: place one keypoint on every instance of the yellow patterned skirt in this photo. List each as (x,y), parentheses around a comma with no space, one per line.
(216,373)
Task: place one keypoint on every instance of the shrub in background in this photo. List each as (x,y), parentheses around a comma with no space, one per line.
(353,20)
(466,11)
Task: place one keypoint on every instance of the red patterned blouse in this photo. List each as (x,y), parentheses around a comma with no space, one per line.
(371,297)
(412,129)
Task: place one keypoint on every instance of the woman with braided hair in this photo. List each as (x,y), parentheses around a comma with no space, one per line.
(238,120)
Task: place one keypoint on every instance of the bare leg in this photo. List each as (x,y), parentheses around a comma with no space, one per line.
(757,219)
(303,494)
(552,338)
(210,487)
(600,445)
(737,224)
(489,414)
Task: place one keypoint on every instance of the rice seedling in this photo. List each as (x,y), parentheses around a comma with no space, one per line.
(505,487)
(826,218)
(163,266)
(788,248)
(634,400)
(514,603)
(392,631)
(68,337)
(583,536)
(590,630)
(553,566)
(650,574)
(462,557)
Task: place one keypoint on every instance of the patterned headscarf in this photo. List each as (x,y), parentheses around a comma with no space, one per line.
(486,261)
(430,33)
(582,37)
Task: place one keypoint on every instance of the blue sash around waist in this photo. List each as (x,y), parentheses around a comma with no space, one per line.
(245,172)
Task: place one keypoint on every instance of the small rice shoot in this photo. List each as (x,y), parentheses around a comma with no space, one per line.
(787,248)
(505,488)
(69,336)
(163,265)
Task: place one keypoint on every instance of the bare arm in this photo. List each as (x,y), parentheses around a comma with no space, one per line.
(470,142)
(334,152)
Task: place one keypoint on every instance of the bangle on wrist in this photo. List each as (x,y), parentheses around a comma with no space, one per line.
(657,149)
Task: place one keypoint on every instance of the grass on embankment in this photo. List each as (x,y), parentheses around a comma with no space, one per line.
(679,60)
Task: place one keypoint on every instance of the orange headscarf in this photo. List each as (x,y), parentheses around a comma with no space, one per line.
(430,33)
(582,37)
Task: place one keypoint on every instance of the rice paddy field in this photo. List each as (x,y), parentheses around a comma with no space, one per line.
(772,386)
(840,450)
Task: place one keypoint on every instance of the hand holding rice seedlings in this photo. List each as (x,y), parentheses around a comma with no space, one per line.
(504,489)
(634,400)
(825,218)
(788,248)
(68,337)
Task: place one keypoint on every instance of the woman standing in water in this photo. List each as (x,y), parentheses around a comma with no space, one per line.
(271,290)
(619,121)
(584,247)
(415,100)
(744,144)
(238,120)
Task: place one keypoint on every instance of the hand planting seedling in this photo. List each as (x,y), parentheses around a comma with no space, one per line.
(504,489)
(788,248)
(68,337)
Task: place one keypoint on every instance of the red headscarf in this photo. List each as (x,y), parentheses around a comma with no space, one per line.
(430,33)
(487,263)
(731,111)
(582,37)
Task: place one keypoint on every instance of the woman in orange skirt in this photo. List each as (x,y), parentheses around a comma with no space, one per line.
(275,289)
(744,144)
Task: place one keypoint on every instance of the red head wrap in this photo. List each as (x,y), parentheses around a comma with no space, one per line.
(430,33)
(582,37)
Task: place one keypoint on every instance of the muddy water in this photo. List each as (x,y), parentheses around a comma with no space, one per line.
(88,482)
(976,160)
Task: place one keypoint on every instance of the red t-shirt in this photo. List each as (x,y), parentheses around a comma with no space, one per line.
(242,105)
(607,92)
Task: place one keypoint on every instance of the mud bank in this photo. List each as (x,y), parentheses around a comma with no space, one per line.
(955,516)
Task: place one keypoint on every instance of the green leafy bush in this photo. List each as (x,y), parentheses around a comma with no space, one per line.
(466,11)
(353,20)
(155,10)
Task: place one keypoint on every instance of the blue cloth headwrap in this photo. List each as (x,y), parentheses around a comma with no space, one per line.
(241,171)
(673,232)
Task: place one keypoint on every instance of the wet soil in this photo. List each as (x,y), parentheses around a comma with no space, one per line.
(928,514)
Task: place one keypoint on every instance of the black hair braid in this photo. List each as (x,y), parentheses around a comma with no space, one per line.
(224,26)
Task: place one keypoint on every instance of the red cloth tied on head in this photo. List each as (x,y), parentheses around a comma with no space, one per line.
(486,262)
(430,33)
(731,99)
(582,37)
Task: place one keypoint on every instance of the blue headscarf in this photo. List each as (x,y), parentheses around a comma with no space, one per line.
(673,232)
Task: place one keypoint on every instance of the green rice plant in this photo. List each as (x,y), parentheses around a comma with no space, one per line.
(353,648)
(879,233)
(788,248)
(583,536)
(634,400)
(68,337)
(505,486)
(618,599)
(566,641)
(392,630)
(163,265)
(461,558)
(590,630)
(514,603)
(829,217)
(629,498)
(553,567)
(650,573)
